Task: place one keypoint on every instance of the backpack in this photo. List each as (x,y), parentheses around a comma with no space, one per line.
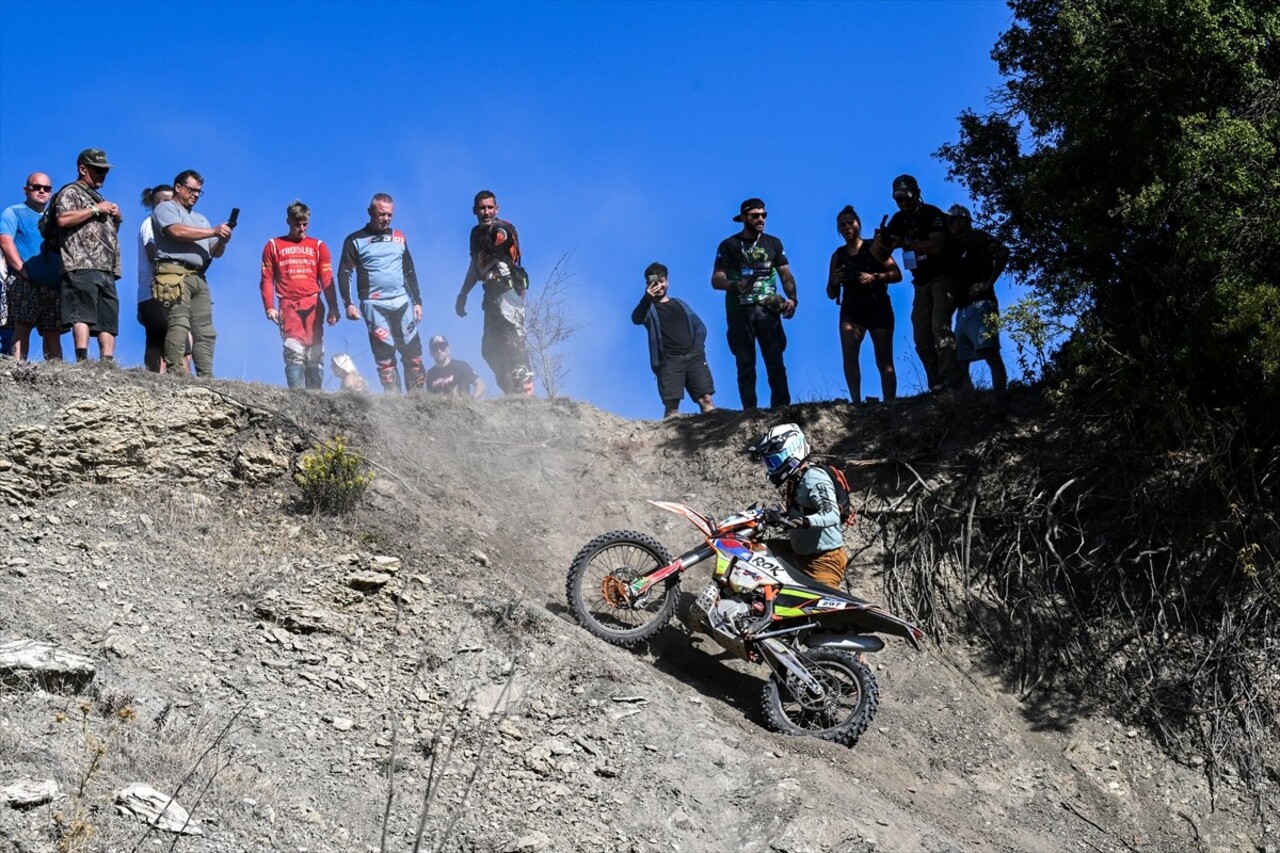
(47,225)
(848,515)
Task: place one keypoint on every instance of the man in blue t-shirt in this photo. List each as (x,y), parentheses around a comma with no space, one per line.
(30,290)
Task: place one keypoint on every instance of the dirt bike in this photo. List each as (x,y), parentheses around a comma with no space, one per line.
(623,587)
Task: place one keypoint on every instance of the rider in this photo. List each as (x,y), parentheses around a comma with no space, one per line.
(812,511)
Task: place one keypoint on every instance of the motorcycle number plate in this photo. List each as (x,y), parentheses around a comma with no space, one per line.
(831,604)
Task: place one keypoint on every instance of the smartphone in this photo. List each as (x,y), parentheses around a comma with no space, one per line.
(235,214)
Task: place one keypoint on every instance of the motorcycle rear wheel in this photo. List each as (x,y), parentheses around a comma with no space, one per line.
(598,576)
(841,715)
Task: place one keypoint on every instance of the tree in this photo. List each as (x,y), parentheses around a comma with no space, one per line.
(549,325)
(1132,163)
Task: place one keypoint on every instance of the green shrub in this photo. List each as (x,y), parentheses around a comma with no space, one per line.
(333,479)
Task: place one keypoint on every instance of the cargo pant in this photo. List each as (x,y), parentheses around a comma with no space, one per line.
(190,303)
(931,310)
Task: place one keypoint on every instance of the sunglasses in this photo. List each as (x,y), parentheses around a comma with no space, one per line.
(192,190)
(40,188)
(761,215)
(439,347)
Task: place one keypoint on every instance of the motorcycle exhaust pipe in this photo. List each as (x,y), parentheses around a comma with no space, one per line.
(846,642)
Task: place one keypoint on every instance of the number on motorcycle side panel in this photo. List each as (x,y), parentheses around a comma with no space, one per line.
(598,588)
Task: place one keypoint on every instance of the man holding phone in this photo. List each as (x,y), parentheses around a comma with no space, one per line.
(677,344)
(920,230)
(185,246)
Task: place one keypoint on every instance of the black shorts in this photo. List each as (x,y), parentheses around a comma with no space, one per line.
(874,313)
(679,373)
(89,296)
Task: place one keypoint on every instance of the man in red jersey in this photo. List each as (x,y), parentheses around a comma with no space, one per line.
(295,270)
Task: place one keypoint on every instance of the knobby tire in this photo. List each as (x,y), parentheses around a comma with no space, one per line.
(624,555)
(842,716)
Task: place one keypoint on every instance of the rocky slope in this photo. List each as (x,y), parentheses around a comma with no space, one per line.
(294,679)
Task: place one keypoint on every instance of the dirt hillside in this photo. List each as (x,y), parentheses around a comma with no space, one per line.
(293,679)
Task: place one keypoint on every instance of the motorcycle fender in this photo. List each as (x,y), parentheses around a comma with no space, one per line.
(856,643)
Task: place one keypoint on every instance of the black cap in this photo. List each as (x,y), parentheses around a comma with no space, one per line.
(749,204)
(905,185)
(437,341)
(94,157)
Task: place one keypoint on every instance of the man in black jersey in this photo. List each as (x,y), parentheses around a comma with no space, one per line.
(450,376)
(677,344)
(495,264)
(748,267)
(920,230)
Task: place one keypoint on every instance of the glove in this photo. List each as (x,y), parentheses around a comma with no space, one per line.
(460,307)
(773,517)
(795,518)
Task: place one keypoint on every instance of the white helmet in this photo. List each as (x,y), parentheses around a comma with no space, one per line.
(783,450)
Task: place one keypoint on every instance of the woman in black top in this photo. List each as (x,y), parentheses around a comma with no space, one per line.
(859,284)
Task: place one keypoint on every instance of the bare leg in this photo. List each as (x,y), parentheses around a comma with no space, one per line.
(999,376)
(106,345)
(51,340)
(20,346)
(882,340)
(851,336)
(705,404)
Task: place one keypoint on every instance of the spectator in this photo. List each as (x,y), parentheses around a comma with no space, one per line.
(677,344)
(495,261)
(88,238)
(185,246)
(296,269)
(748,267)
(980,260)
(387,287)
(450,376)
(920,230)
(859,284)
(34,269)
(153,315)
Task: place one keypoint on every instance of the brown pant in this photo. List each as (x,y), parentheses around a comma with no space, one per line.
(826,567)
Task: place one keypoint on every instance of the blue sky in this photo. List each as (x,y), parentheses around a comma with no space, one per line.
(619,132)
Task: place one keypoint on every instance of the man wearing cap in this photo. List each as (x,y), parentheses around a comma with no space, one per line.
(33,273)
(495,262)
(748,268)
(979,259)
(377,257)
(450,376)
(89,244)
(296,270)
(920,230)
(185,246)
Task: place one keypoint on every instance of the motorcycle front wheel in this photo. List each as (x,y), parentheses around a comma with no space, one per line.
(598,592)
(849,701)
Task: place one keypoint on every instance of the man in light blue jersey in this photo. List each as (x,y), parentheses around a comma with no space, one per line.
(387,286)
